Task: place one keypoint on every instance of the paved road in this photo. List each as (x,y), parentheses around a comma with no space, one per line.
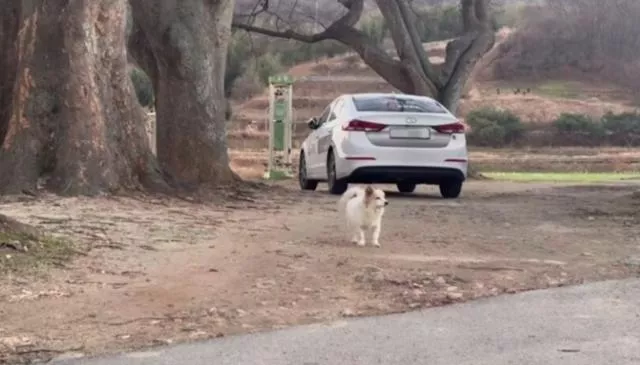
(591,325)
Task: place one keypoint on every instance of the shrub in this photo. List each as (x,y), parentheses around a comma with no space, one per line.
(247,85)
(578,129)
(239,52)
(267,65)
(622,129)
(143,87)
(375,29)
(493,127)
(578,123)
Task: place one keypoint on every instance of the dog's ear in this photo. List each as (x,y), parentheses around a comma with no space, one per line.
(368,192)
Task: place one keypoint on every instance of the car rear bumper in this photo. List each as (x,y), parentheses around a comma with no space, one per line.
(412,174)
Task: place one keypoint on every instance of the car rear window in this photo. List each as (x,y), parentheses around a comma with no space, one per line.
(396,104)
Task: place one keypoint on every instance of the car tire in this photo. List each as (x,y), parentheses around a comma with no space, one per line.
(406,187)
(336,186)
(451,189)
(305,183)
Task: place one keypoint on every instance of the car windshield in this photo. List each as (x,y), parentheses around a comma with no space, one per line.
(396,104)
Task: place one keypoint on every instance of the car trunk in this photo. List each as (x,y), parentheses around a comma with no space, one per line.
(411,130)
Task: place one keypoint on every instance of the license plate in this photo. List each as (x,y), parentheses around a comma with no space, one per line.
(410,133)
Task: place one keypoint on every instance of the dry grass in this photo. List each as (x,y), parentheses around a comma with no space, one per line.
(24,249)
(251,163)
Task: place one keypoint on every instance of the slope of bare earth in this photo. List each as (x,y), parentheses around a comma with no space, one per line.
(159,271)
(545,99)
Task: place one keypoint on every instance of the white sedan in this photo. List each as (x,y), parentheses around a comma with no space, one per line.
(387,139)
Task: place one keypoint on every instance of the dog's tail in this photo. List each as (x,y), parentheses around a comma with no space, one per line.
(348,195)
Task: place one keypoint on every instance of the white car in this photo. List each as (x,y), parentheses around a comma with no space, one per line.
(387,139)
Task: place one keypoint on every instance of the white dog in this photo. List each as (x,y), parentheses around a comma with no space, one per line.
(363,209)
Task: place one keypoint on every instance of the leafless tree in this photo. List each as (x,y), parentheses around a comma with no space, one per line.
(411,71)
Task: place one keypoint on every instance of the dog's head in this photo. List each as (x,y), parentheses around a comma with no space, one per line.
(375,197)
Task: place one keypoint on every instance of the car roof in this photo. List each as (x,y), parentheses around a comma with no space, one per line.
(382,95)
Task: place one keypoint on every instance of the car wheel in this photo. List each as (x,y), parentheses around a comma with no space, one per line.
(305,182)
(451,189)
(336,186)
(405,187)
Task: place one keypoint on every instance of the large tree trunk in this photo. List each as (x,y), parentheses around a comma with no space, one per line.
(182,45)
(73,117)
(8,35)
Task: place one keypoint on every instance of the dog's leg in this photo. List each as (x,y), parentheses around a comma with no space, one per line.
(360,237)
(375,236)
(353,232)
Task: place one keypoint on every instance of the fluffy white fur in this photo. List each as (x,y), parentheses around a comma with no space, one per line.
(363,209)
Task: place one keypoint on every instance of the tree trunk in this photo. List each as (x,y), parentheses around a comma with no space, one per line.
(8,34)
(73,117)
(182,45)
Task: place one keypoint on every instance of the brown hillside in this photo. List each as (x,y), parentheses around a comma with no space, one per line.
(545,100)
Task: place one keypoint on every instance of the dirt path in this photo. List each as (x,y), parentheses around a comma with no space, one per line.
(165,271)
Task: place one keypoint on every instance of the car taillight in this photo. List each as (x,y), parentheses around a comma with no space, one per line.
(357,125)
(450,128)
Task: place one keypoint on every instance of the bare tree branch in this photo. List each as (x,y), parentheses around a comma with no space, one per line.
(413,72)
(343,30)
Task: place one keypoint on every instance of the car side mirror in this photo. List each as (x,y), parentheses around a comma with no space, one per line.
(313,123)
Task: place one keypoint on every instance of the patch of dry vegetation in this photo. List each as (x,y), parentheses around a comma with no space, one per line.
(589,39)
(23,248)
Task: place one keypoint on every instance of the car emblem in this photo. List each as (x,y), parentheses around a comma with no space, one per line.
(412,120)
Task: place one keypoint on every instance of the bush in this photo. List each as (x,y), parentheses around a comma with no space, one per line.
(578,124)
(578,129)
(143,87)
(491,127)
(442,22)
(622,129)
(239,52)
(375,29)
(267,65)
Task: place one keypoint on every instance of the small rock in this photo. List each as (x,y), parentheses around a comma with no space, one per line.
(454,296)
(377,306)
(8,257)
(414,305)
(478,285)
(240,312)
(123,337)
(440,281)
(167,341)
(587,254)
(591,218)
(417,293)
(212,311)
(197,334)
(348,312)
(265,284)
(633,261)
(14,342)
(452,289)
(307,290)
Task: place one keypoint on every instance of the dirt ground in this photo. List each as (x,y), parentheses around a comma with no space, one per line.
(160,271)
